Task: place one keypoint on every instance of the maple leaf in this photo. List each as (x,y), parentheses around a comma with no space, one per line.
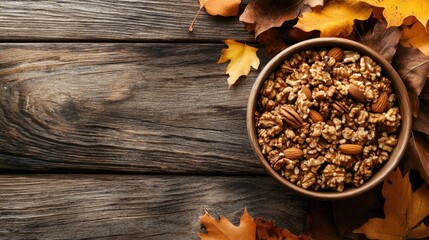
(404,211)
(223,229)
(395,11)
(265,14)
(416,36)
(266,230)
(383,40)
(224,8)
(335,19)
(242,57)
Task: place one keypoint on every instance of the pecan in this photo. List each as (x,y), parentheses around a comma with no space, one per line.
(290,116)
(337,105)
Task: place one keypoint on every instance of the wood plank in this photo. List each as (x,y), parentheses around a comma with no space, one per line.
(136,207)
(121,20)
(122,107)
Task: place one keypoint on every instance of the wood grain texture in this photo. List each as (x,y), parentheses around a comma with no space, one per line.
(122,107)
(136,207)
(121,20)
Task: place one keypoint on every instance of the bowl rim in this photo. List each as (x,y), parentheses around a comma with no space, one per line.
(388,71)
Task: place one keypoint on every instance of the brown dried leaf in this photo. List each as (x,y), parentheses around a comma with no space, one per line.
(272,41)
(417,155)
(320,221)
(266,14)
(413,67)
(266,230)
(383,40)
(223,229)
(362,208)
(421,123)
(404,211)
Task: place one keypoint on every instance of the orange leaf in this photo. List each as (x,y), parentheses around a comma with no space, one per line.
(404,211)
(417,36)
(335,19)
(242,57)
(223,229)
(395,11)
(224,8)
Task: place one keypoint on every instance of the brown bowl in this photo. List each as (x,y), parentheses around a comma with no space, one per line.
(388,71)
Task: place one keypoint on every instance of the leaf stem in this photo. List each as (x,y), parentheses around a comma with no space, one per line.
(191,26)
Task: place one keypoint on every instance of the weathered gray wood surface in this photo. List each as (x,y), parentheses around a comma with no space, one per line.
(122,107)
(131,92)
(136,207)
(120,20)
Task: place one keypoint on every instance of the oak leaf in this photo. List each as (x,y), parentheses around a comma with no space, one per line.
(242,57)
(335,19)
(265,14)
(404,211)
(395,11)
(417,36)
(223,229)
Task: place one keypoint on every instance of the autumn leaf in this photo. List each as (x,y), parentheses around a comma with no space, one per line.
(320,221)
(413,67)
(224,8)
(223,229)
(265,14)
(383,40)
(404,211)
(272,41)
(242,57)
(417,155)
(266,230)
(335,19)
(417,36)
(395,11)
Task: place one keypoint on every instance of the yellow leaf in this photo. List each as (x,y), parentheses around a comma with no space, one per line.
(224,8)
(395,11)
(223,229)
(404,211)
(416,36)
(336,18)
(242,57)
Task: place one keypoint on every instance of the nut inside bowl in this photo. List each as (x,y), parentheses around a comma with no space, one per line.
(294,121)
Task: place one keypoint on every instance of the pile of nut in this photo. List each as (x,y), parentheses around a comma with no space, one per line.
(327,119)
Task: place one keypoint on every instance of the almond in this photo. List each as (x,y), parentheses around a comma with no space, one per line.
(336,53)
(356,93)
(381,103)
(315,116)
(293,153)
(351,149)
(307,92)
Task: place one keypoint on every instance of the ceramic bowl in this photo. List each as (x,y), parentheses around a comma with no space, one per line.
(387,70)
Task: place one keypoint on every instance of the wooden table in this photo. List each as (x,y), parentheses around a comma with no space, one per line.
(117,123)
